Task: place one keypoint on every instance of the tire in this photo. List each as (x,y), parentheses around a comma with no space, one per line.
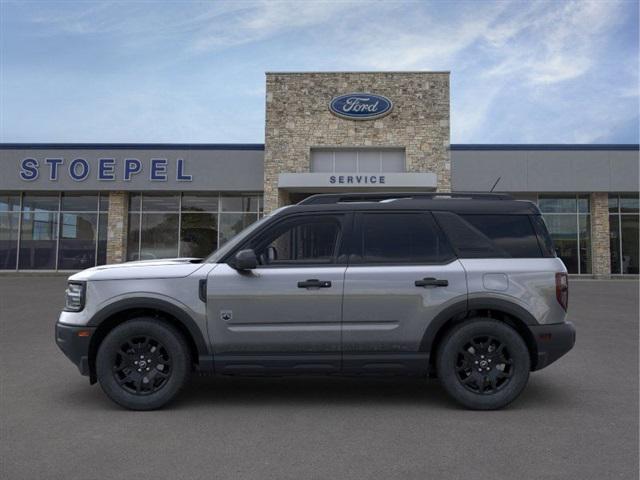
(143,363)
(501,371)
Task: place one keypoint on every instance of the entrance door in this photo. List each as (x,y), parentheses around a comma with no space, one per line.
(402,275)
(284,315)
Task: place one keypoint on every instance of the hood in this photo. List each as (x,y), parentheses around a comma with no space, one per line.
(163,268)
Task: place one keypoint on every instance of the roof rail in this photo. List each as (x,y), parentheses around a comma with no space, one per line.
(329,198)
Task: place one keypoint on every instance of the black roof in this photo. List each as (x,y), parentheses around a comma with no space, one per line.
(471,203)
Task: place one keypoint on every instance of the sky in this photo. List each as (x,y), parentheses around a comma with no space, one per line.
(193,72)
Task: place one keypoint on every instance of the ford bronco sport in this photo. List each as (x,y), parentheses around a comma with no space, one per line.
(465,287)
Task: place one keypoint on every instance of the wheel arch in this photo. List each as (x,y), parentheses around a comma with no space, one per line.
(121,311)
(513,315)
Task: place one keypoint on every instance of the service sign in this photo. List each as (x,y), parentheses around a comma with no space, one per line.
(360,106)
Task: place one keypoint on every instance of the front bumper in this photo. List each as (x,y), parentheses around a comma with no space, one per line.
(552,342)
(74,342)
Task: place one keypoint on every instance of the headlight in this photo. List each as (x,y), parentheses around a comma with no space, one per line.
(74,297)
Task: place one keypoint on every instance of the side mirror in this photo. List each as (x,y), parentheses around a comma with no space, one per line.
(245,260)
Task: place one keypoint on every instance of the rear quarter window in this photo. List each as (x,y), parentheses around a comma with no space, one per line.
(491,235)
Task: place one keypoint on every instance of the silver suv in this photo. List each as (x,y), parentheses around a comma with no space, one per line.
(465,287)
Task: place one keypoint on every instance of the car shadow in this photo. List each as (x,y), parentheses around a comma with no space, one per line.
(347,391)
(363,392)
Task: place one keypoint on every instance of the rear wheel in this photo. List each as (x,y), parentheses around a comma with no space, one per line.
(483,364)
(143,363)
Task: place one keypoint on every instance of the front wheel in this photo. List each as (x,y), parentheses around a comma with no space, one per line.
(143,363)
(483,364)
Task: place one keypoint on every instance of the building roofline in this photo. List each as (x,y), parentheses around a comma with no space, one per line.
(260,146)
(443,72)
(132,146)
(544,146)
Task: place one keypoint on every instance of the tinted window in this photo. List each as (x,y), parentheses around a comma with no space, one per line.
(468,240)
(513,234)
(402,238)
(300,240)
(545,241)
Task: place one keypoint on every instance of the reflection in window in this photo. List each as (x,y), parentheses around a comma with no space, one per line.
(38,239)
(233,223)
(568,220)
(77,249)
(198,234)
(9,222)
(623,233)
(49,231)
(193,224)
(303,240)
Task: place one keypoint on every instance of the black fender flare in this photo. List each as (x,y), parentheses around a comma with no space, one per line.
(154,304)
(460,309)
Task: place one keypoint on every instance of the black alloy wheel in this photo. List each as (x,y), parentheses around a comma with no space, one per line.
(483,363)
(143,363)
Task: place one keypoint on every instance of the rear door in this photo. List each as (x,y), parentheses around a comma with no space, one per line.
(401,274)
(284,315)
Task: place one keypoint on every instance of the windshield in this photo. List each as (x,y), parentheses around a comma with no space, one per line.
(238,238)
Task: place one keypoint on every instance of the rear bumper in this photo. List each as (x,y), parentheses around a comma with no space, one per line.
(75,345)
(552,342)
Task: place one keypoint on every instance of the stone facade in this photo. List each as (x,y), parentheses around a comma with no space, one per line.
(117,227)
(600,247)
(298,119)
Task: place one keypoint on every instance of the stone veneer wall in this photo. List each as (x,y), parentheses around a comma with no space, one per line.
(117,227)
(600,247)
(298,119)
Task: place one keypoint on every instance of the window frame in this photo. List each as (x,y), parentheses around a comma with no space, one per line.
(355,254)
(577,216)
(619,215)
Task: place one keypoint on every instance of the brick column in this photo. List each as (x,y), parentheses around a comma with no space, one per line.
(117,227)
(600,251)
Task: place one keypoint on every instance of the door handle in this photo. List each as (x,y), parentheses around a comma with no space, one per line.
(431,282)
(314,283)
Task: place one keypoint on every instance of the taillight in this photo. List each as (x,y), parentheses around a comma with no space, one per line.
(562,290)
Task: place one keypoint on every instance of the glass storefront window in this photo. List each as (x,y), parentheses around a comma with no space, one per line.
(79,202)
(239,203)
(133,236)
(153,202)
(623,233)
(198,234)
(78,234)
(200,202)
(233,223)
(569,222)
(187,225)
(159,236)
(52,231)
(38,240)
(9,202)
(9,224)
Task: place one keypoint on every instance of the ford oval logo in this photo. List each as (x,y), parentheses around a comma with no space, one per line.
(360,106)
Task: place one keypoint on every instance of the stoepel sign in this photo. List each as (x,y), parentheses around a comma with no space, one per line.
(106,169)
(360,106)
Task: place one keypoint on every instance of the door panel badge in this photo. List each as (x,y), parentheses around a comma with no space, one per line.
(226,315)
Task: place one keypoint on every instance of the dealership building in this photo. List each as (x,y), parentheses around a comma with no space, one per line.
(73,206)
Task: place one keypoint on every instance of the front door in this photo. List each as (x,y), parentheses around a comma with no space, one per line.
(286,314)
(402,274)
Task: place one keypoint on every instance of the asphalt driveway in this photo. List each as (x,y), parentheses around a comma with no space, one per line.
(577,419)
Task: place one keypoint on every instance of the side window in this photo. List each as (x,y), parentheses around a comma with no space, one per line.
(301,240)
(514,234)
(402,238)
